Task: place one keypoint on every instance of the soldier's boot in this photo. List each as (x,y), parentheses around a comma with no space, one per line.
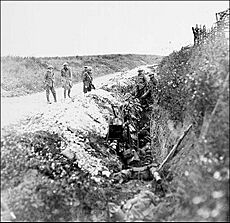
(55,97)
(47,97)
(69,93)
(84,89)
(64,94)
(54,94)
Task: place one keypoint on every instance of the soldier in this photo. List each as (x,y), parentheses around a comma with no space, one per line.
(212,34)
(150,96)
(153,80)
(204,34)
(49,83)
(197,34)
(91,76)
(66,76)
(141,83)
(153,88)
(87,79)
(201,34)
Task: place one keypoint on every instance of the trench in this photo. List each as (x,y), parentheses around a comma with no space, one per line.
(144,146)
(132,142)
(74,194)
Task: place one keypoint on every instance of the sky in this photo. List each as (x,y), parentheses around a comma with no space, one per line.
(70,28)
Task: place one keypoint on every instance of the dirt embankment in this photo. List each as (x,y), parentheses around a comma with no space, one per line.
(193,89)
(57,164)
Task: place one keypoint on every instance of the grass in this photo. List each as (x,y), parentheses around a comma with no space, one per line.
(21,76)
(191,85)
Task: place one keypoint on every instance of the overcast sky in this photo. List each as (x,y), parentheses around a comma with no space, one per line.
(62,28)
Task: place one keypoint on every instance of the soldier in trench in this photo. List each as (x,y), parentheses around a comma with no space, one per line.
(66,76)
(150,95)
(141,83)
(49,84)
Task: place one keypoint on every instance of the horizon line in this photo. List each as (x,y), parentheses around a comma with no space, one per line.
(83,55)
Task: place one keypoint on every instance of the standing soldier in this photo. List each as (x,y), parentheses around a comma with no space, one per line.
(204,34)
(153,88)
(201,34)
(86,78)
(66,76)
(197,34)
(141,83)
(91,78)
(49,83)
(150,95)
(212,34)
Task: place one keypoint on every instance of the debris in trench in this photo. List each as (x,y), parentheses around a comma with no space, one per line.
(132,136)
(147,173)
(139,208)
(122,128)
(133,146)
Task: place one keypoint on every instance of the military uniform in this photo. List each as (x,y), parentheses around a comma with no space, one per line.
(141,83)
(195,36)
(66,78)
(152,91)
(153,84)
(204,34)
(87,79)
(197,39)
(49,84)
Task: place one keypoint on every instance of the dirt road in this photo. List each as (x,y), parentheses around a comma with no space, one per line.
(16,108)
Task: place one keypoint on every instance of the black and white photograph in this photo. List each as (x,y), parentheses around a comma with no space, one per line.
(115,111)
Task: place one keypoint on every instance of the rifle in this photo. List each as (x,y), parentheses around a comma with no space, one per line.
(174,148)
(92,86)
(153,167)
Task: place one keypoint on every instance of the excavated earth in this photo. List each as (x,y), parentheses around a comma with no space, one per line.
(58,166)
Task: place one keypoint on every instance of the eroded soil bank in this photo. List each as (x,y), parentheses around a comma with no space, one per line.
(59,165)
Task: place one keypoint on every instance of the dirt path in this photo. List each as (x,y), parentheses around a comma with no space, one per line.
(16,108)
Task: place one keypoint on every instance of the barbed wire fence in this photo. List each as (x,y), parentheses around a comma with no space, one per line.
(220,28)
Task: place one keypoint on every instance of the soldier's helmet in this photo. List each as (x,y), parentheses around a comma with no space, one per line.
(50,67)
(65,64)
